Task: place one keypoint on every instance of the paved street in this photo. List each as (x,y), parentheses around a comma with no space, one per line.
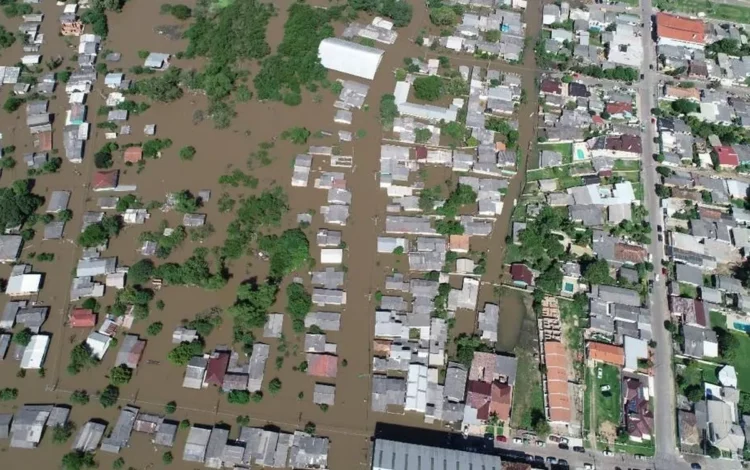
(664,396)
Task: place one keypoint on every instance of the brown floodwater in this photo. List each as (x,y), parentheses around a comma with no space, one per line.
(349,423)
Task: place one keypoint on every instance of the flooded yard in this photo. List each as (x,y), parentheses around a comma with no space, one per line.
(349,423)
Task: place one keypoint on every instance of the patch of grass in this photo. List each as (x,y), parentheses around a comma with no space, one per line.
(717,319)
(688,290)
(734,13)
(627,165)
(638,191)
(607,403)
(644,448)
(528,396)
(632,176)
(566,149)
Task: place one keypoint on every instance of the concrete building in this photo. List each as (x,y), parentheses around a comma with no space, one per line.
(394,455)
(349,57)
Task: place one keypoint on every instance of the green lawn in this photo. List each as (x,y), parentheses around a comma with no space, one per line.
(644,448)
(527,393)
(627,165)
(688,290)
(638,190)
(587,402)
(608,404)
(734,13)
(544,173)
(565,149)
(570,182)
(632,3)
(740,362)
(632,176)
(717,319)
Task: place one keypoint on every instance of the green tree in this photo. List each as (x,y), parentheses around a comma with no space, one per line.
(297,135)
(109,396)
(443,16)
(274,386)
(120,375)
(79,397)
(185,202)
(182,354)
(299,303)
(8,394)
(428,88)
(141,271)
(81,358)
(170,407)
(23,337)
(238,397)
(61,433)
(78,460)
(388,110)
(422,135)
(154,328)
(17,203)
(187,153)
(287,252)
(167,458)
(684,106)
(597,272)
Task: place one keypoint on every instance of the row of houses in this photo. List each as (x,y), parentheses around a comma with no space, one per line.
(209,445)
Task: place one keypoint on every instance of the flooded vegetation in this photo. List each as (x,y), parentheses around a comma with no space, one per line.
(225,124)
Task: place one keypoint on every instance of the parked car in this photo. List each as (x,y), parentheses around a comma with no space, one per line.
(563,463)
(588,466)
(695,466)
(640,457)
(551,460)
(517,440)
(562,446)
(605,388)
(540,443)
(564,440)
(607,453)
(553,438)
(599,373)
(538,458)
(579,449)
(501,439)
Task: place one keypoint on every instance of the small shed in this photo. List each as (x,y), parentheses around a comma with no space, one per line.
(157,61)
(324,394)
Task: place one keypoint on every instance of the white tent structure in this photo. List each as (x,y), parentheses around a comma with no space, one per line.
(349,57)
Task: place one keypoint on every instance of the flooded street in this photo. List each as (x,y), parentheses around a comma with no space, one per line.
(349,423)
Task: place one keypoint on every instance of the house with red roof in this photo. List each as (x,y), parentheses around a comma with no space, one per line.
(217,368)
(105,180)
(489,390)
(521,275)
(639,420)
(133,155)
(727,157)
(82,318)
(673,30)
(552,87)
(322,365)
(619,110)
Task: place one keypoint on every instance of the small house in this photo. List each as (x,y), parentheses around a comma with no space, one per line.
(157,61)
(82,318)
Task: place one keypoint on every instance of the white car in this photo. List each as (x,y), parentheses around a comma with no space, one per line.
(599,373)
(517,440)
(607,453)
(588,466)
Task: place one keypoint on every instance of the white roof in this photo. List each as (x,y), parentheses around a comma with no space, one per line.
(33,354)
(634,349)
(331,255)
(728,376)
(98,343)
(23,284)
(349,57)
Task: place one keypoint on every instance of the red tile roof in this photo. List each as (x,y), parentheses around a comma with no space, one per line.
(133,154)
(624,143)
(43,141)
(558,401)
(421,152)
(679,28)
(607,353)
(82,318)
(217,369)
(501,399)
(322,365)
(551,86)
(105,179)
(478,396)
(631,253)
(619,108)
(521,272)
(727,156)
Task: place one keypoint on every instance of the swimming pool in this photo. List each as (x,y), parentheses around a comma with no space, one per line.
(568,287)
(742,327)
(580,154)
